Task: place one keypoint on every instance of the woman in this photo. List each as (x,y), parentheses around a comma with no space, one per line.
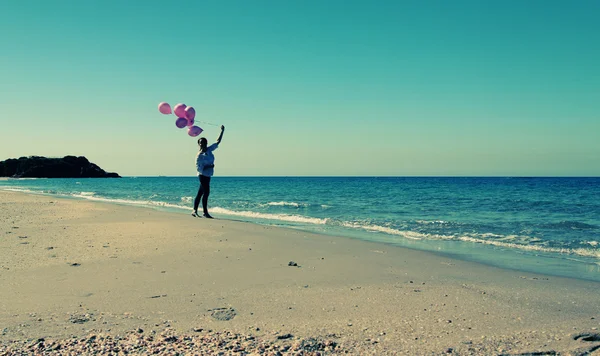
(205,164)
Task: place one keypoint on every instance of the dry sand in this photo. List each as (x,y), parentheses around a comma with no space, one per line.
(86,275)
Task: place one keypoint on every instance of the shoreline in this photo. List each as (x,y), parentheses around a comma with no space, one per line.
(548,263)
(132,268)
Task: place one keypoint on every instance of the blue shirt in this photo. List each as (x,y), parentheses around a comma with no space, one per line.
(205,159)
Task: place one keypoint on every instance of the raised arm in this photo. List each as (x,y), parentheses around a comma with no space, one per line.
(221,135)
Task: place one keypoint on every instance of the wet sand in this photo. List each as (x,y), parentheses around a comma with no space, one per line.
(82,275)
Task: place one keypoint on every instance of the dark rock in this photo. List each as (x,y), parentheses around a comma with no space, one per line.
(285,336)
(316,345)
(79,319)
(44,167)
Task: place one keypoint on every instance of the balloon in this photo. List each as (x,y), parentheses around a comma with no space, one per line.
(190,123)
(181,122)
(190,113)
(194,131)
(179,110)
(164,108)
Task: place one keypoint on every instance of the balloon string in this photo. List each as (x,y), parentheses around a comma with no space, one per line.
(208,123)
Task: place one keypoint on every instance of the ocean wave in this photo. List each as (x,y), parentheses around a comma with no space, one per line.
(496,236)
(285,203)
(429,222)
(387,230)
(13,179)
(147,203)
(22,190)
(575,225)
(34,191)
(266,216)
(519,242)
(586,252)
(85,194)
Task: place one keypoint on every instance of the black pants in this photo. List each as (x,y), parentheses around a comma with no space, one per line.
(203,193)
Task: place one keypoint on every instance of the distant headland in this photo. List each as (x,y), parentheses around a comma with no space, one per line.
(45,167)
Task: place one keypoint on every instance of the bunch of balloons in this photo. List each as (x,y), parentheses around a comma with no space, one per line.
(185,117)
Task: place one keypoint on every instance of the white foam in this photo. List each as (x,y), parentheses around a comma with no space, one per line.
(496,236)
(376,228)
(131,202)
(280,217)
(428,222)
(23,190)
(284,203)
(498,241)
(10,178)
(168,205)
(567,251)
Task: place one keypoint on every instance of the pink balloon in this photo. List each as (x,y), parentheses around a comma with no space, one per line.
(190,113)
(194,131)
(164,108)
(190,122)
(179,110)
(181,122)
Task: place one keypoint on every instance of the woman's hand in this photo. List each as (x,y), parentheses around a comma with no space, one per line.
(221,134)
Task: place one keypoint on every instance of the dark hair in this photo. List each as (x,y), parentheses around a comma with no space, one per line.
(202,138)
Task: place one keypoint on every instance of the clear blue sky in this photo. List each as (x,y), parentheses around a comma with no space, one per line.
(307,87)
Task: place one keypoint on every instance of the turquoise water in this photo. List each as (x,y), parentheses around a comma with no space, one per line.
(544,225)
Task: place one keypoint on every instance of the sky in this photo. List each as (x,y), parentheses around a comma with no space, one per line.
(306,87)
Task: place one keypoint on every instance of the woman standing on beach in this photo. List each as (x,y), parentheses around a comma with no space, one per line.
(205,164)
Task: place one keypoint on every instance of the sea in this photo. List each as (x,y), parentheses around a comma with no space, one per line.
(531,224)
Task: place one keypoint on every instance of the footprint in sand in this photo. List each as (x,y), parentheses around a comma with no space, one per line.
(223,314)
(587,337)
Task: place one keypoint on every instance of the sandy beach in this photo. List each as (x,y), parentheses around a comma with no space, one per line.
(82,277)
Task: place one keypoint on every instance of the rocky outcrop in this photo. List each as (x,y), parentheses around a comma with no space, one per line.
(44,167)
